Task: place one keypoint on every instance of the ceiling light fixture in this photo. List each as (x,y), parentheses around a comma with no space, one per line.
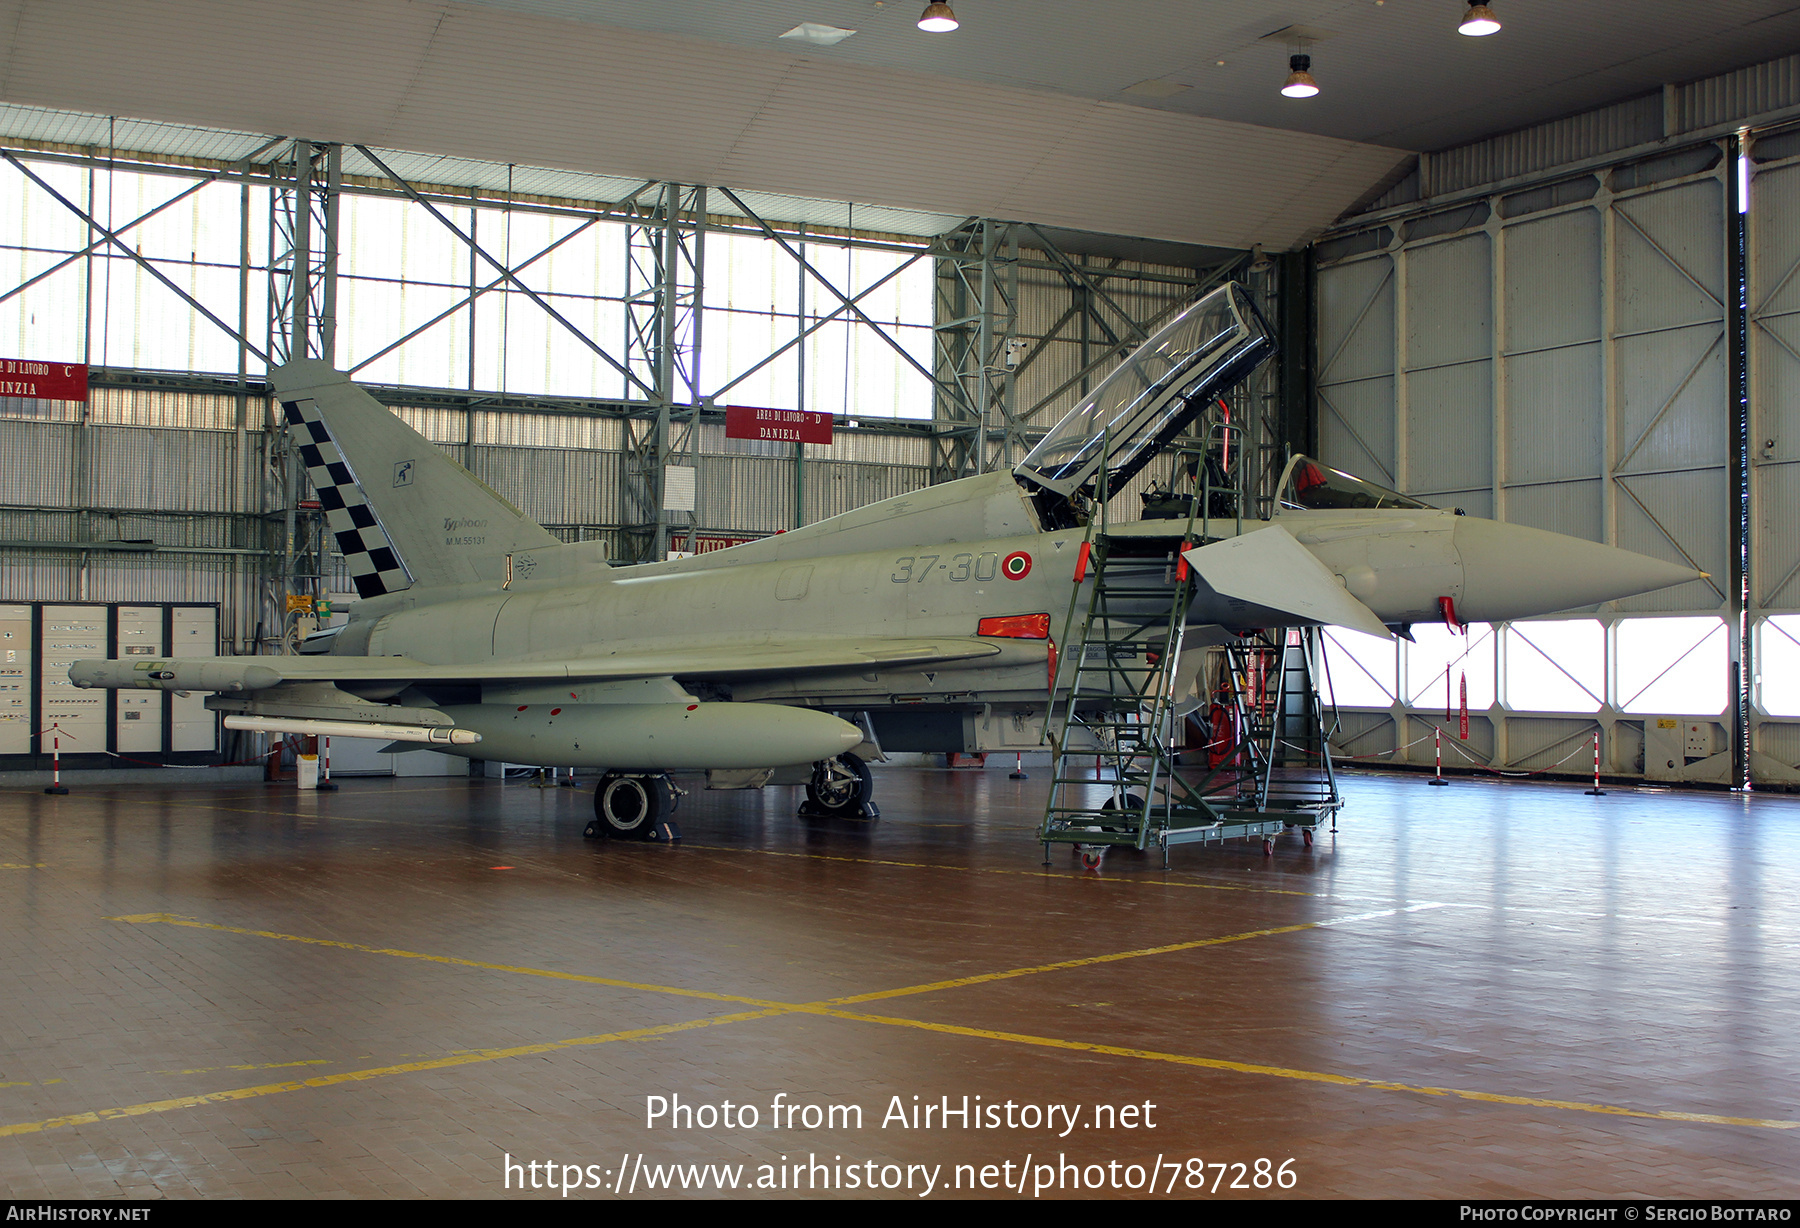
(937,19)
(1479,20)
(1300,83)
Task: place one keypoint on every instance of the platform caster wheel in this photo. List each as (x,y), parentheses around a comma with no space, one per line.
(628,807)
(1306,834)
(840,788)
(1268,846)
(1091,859)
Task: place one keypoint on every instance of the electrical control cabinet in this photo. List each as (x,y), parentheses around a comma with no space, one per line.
(41,711)
(18,679)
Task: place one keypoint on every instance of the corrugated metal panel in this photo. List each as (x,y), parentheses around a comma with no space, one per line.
(39,526)
(572,486)
(1356,351)
(208,531)
(748,493)
(1553,425)
(1779,740)
(200,530)
(1572,507)
(1737,95)
(155,578)
(1539,743)
(526,430)
(32,410)
(174,470)
(186,410)
(35,464)
(38,575)
(833,488)
(438,424)
(875,449)
(1592,133)
(1403,193)
(1449,302)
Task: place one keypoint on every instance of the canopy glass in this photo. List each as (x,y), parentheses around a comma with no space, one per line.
(1308,484)
(1150,397)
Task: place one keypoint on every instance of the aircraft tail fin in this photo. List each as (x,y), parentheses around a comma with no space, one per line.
(401,511)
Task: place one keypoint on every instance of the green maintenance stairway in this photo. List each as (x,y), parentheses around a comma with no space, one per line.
(1115,716)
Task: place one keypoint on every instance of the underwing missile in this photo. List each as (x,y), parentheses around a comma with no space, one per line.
(188,674)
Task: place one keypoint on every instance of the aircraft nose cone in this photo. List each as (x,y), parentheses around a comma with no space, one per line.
(1511,571)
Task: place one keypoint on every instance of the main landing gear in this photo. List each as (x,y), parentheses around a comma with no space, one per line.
(840,788)
(630,806)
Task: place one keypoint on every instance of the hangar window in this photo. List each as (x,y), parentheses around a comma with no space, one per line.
(137,321)
(1778,665)
(1360,669)
(759,299)
(1672,665)
(1438,662)
(1556,666)
(402,270)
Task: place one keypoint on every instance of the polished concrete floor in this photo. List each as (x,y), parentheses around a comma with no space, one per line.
(1486,990)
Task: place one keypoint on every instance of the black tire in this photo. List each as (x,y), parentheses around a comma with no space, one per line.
(840,787)
(1134,806)
(632,807)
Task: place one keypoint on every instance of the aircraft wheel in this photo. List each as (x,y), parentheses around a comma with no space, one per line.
(633,808)
(840,787)
(1134,806)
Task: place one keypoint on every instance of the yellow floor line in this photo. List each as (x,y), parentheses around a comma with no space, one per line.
(983,978)
(161,918)
(1310,1076)
(832,1008)
(312,1061)
(378,1072)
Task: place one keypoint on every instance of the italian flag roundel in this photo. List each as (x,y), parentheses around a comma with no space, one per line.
(1016,566)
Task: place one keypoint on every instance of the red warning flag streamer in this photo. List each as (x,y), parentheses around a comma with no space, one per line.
(1464,731)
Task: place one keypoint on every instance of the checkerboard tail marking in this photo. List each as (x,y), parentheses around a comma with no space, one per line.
(375,565)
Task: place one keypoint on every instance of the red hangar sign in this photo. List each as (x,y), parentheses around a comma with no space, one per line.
(786,425)
(45,381)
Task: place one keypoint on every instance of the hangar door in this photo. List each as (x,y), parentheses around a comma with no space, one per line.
(1773,297)
(1559,356)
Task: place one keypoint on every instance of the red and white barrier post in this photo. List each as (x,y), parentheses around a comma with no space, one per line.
(56,784)
(1437,749)
(325,785)
(1596,791)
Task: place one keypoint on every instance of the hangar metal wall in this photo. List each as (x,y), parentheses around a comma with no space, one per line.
(1558,354)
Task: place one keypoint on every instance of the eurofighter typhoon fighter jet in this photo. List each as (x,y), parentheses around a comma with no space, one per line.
(924,622)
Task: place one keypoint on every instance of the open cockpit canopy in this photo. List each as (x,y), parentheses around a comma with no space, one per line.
(1308,484)
(1150,398)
